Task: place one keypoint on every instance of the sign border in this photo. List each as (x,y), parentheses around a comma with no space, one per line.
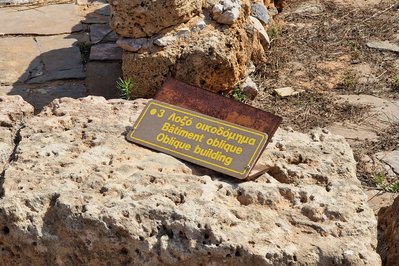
(263,141)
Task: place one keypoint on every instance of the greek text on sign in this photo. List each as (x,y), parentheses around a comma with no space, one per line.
(216,144)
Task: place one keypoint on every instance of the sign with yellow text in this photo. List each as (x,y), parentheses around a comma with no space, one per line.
(216,144)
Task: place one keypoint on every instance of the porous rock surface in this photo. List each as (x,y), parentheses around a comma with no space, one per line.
(13,111)
(209,44)
(137,18)
(388,224)
(77,193)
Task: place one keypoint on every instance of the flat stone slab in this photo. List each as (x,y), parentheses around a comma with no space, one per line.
(60,58)
(17,54)
(354,131)
(101,78)
(384,45)
(383,110)
(379,199)
(390,158)
(46,20)
(105,52)
(102,33)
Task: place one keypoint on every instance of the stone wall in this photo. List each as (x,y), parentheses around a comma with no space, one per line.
(209,44)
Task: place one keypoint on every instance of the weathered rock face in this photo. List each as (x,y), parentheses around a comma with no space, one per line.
(13,110)
(137,18)
(388,224)
(209,44)
(78,193)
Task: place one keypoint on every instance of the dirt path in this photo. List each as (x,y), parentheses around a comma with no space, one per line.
(322,48)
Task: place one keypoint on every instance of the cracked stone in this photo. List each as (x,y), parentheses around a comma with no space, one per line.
(61,59)
(13,110)
(102,33)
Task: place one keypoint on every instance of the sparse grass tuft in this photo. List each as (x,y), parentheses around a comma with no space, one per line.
(396,81)
(349,79)
(124,87)
(274,31)
(380,180)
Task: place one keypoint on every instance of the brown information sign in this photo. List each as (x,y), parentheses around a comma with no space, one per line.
(207,141)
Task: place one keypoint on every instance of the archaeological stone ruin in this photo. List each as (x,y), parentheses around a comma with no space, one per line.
(208,44)
(74,191)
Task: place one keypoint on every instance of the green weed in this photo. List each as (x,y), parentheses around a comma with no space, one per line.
(393,188)
(238,95)
(396,81)
(381,181)
(124,87)
(274,31)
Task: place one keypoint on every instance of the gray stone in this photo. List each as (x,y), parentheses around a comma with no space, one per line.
(102,33)
(263,36)
(90,2)
(354,132)
(60,59)
(165,40)
(18,56)
(260,12)
(101,78)
(383,111)
(250,88)
(391,158)
(105,52)
(133,45)
(201,24)
(14,2)
(309,9)
(104,10)
(227,12)
(384,45)
(46,20)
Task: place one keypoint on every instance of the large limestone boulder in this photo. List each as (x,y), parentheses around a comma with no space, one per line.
(209,44)
(137,18)
(214,59)
(77,193)
(388,224)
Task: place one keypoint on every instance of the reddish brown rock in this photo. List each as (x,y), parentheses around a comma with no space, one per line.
(388,225)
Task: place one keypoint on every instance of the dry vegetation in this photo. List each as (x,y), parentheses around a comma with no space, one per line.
(320,47)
